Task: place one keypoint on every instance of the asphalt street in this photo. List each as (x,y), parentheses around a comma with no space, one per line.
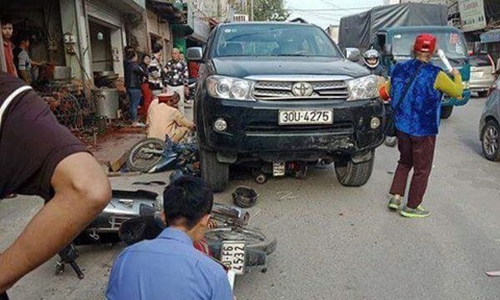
(336,242)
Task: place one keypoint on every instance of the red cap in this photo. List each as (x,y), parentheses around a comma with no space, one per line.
(425,43)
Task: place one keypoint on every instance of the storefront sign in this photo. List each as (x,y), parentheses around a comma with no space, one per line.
(472,15)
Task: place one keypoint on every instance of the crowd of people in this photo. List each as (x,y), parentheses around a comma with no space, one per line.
(148,78)
(16,51)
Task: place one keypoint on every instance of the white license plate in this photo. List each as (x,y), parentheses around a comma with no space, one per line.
(279,168)
(233,256)
(305,117)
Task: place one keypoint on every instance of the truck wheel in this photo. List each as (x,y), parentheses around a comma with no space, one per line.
(446,112)
(354,174)
(490,137)
(214,173)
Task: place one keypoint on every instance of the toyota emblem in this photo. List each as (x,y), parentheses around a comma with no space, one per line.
(302,89)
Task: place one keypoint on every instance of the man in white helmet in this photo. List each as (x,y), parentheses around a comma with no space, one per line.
(371,59)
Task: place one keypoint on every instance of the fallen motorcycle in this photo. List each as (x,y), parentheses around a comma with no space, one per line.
(123,206)
(153,155)
(133,216)
(239,248)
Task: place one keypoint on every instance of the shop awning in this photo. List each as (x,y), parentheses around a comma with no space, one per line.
(492,36)
(167,10)
(201,31)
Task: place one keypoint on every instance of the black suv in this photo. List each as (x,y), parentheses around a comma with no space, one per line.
(278,92)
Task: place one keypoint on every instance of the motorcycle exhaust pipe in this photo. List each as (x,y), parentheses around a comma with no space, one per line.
(230,214)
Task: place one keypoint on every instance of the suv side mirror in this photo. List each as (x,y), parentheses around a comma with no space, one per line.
(194,53)
(353,54)
(387,49)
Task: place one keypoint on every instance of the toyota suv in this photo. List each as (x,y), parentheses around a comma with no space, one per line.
(283,92)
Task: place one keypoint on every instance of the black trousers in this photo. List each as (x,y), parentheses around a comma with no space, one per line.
(4,296)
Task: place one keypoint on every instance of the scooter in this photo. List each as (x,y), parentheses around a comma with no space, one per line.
(133,216)
(123,206)
(153,155)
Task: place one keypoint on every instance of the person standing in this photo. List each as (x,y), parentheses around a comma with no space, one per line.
(22,60)
(8,47)
(416,90)
(169,267)
(155,71)
(147,95)
(177,76)
(133,80)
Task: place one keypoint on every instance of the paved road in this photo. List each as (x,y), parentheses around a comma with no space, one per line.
(342,243)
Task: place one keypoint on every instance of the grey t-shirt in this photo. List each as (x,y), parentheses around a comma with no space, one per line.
(24,61)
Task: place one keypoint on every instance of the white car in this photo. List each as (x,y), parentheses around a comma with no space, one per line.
(482,74)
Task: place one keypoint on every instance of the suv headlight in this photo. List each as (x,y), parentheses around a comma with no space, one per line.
(363,88)
(231,88)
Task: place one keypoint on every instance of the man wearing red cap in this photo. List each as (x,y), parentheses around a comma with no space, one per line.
(416,90)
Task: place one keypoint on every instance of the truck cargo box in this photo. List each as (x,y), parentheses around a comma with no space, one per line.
(359,30)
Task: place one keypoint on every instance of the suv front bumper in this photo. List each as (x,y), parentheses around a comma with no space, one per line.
(253,130)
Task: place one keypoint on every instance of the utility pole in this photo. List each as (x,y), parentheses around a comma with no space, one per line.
(251,10)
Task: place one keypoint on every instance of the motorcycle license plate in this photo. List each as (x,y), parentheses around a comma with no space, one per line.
(233,256)
(305,117)
(279,168)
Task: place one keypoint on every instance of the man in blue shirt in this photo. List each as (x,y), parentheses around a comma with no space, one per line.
(169,267)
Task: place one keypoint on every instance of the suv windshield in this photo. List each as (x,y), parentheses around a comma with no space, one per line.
(452,44)
(273,40)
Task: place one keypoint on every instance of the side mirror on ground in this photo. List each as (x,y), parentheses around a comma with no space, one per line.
(353,54)
(194,53)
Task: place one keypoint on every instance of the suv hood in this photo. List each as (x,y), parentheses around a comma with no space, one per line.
(241,67)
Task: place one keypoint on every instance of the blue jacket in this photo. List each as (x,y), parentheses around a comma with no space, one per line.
(167,268)
(419,113)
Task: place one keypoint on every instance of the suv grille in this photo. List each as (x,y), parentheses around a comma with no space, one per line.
(282,90)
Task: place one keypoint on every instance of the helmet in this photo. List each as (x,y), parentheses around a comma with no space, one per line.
(370,54)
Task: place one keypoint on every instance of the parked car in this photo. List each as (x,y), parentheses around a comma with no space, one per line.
(482,75)
(489,127)
(284,92)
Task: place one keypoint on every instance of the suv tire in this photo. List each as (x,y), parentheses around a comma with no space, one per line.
(214,173)
(446,112)
(354,174)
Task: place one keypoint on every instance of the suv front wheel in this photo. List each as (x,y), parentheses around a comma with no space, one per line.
(350,173)
(215,173)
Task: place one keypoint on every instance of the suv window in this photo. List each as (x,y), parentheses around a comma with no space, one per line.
(273,40)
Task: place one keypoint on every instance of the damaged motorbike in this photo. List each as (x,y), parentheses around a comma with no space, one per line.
(133,216)
(153,155)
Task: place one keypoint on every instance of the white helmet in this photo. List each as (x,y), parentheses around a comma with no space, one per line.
(370,54)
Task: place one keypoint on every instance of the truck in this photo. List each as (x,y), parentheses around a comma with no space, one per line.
(392,31)
(280,92)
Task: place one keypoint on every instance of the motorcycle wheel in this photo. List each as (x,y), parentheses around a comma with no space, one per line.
(391,141)
(254,238)
(142,160)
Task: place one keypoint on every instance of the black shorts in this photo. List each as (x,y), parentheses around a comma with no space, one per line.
(32,144)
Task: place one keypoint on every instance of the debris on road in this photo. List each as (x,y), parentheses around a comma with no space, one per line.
(493,273)
(244,196)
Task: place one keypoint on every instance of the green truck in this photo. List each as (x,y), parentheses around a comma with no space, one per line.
(392,31)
